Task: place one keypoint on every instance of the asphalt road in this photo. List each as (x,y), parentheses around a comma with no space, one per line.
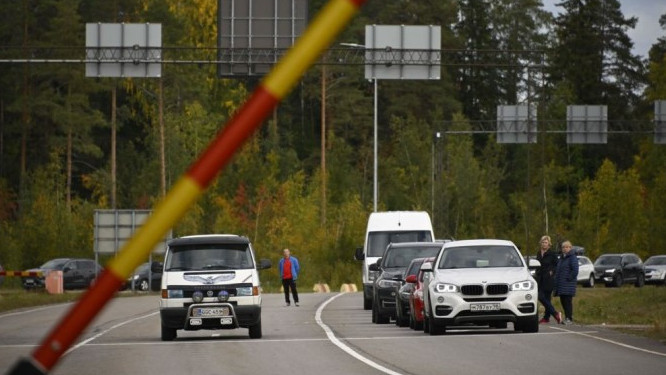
(328,334)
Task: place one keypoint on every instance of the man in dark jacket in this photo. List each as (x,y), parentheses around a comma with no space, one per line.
(566,277)
(545,276)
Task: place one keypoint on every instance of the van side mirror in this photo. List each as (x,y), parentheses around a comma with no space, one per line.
(264,264)
(358,254)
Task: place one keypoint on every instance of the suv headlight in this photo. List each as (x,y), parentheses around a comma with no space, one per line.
(522,285)
(610,270)
(387,283)
(446,288)
(372,275)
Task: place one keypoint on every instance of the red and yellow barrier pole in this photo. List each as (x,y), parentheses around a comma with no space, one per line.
(317,37)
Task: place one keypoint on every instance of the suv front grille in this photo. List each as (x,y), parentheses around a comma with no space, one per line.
(471,290)
(494,289)
(478,290)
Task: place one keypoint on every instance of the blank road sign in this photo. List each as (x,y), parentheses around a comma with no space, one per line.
(587,124)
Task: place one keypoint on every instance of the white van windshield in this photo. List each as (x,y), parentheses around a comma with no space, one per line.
(209,257)
(378,241)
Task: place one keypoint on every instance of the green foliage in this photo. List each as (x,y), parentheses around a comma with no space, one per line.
(275,191)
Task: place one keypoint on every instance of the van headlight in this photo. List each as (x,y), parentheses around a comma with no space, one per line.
(522,285)
(244,291)
(174,293)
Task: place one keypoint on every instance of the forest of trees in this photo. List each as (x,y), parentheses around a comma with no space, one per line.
(56,135)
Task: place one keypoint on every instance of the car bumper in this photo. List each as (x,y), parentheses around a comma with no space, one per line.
(386,300)
(181,317)
(452,309)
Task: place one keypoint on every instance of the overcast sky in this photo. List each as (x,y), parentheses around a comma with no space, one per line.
(647,29)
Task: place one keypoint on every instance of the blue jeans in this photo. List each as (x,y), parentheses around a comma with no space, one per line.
(544,298)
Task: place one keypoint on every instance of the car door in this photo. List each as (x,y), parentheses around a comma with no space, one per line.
(70,275)
(629,267)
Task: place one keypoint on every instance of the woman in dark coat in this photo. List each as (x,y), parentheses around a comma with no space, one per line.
(545,276)
(566,276)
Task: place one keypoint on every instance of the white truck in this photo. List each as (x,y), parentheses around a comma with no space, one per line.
(211,282)
(389,227)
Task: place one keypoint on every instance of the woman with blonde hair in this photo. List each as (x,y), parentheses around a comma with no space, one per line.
(545,277)
(566,277)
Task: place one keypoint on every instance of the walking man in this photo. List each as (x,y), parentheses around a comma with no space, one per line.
(289,268)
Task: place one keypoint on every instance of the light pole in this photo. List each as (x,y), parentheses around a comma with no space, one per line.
(375,190)
(435,138)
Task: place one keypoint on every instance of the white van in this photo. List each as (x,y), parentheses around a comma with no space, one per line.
(385,228)
(211,282)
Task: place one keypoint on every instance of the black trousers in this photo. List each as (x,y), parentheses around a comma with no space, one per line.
(567,305)
(286,285)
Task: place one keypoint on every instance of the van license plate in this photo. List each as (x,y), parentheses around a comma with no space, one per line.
(484,307)
(210,311)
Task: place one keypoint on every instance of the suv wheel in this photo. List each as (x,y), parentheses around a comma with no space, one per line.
(255,330)
(640,280)
(618,281)
(374,313)
(434,328)
(367,303)
(168,334)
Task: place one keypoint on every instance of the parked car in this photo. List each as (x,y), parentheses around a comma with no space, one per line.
(655,270)
(144,278)
(616,269)
(585,271)
(390,266)
(416,298)
(479,282)
(77,273)
(402,297)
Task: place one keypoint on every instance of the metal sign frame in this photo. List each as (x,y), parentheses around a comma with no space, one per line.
(115,227)
(254,34)
(386,47)
(516,124)
(587,124)
(124,50)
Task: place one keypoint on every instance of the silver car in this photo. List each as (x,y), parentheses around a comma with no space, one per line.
(655,270)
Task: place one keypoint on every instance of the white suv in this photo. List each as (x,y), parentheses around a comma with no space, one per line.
(480,282)
(210,282)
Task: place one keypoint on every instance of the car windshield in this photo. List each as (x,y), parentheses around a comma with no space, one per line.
(613,260)
(656,261)
(378,241)
(54,264)
(481,256)
(209,257)
(397,257)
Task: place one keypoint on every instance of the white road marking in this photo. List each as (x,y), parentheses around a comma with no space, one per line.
(331,336)
(23,312)
(613,342)
(73,348)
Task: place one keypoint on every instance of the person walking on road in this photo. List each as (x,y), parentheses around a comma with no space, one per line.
(289,268)
(545,278)
(566,276)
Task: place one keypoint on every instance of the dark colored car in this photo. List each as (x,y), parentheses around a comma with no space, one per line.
(416,298)
(402,297)
(391,266)
(145,278)
(77,273)
(616,269)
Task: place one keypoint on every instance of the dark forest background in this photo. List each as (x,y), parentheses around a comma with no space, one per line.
(55,135)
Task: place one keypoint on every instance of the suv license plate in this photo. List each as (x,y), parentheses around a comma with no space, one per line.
(484,306)
(210,311)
